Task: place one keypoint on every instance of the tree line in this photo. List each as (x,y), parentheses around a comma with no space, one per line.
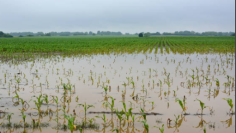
(4,35)
(187,33)
(101,33)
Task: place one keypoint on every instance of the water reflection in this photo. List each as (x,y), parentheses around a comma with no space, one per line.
(228,122)
(178,124)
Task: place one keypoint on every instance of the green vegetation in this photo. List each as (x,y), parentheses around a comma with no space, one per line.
(181,104)
(106,45)
(230,103)
(202,105)
(129,108)
(4,35)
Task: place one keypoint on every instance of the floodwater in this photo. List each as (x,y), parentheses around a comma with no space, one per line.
(87,75)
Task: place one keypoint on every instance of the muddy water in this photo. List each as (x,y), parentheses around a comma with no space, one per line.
(87,75)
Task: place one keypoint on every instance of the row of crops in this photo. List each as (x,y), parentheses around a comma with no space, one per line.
(129,45)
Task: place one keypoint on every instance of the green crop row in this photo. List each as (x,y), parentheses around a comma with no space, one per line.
(119,45)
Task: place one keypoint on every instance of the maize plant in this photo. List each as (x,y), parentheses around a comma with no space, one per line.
(217,82)
(71,120)
(230,103)
(182,104)
(202,105)
(146,125)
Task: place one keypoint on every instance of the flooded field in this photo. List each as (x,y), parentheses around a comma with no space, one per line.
(87,93)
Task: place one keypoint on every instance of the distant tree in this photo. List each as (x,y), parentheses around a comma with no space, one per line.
(90,33)
(140,35)
(64,33)
(21,36)
(1,33)
(47,34)
(158,33)
(147,34)
(94,34)
(167,33)
(5,35)
(98,32)
(40,34)
(233,34)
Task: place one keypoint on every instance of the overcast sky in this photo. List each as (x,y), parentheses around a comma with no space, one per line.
(117,15)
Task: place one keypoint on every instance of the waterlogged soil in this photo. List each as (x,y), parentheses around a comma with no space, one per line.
(88,74)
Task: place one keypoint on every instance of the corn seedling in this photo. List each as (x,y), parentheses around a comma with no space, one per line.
(119,115)
(133,118)
(132,82)
(181,103)
(103,117)
(202,105)
(217,82)
(161,129)
(9,118)
(128,114)
(45,96)
(105,89)
(38,103)
(86,107)
(230,103)
(176,119)
(146,125)
(143,114)
(111,105)
(70,120)
(23,116)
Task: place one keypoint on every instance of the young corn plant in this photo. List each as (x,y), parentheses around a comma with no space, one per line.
(143,114)
(124,105)
(202,105)
(55,99)
(18,82)
(103,118)
(176,119)
(128,114)
(23,116)
(133,119)
(86,107)
(17,96)
(110,105)
(24,104)
(230,103)
(70,120)
(132,82)
(161,129)
(217,82)
(9,118)
(105,89)
(119,115)
(45,96)
(67,87)
(146,125)
(124,85)
(38,103)
(182,104)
